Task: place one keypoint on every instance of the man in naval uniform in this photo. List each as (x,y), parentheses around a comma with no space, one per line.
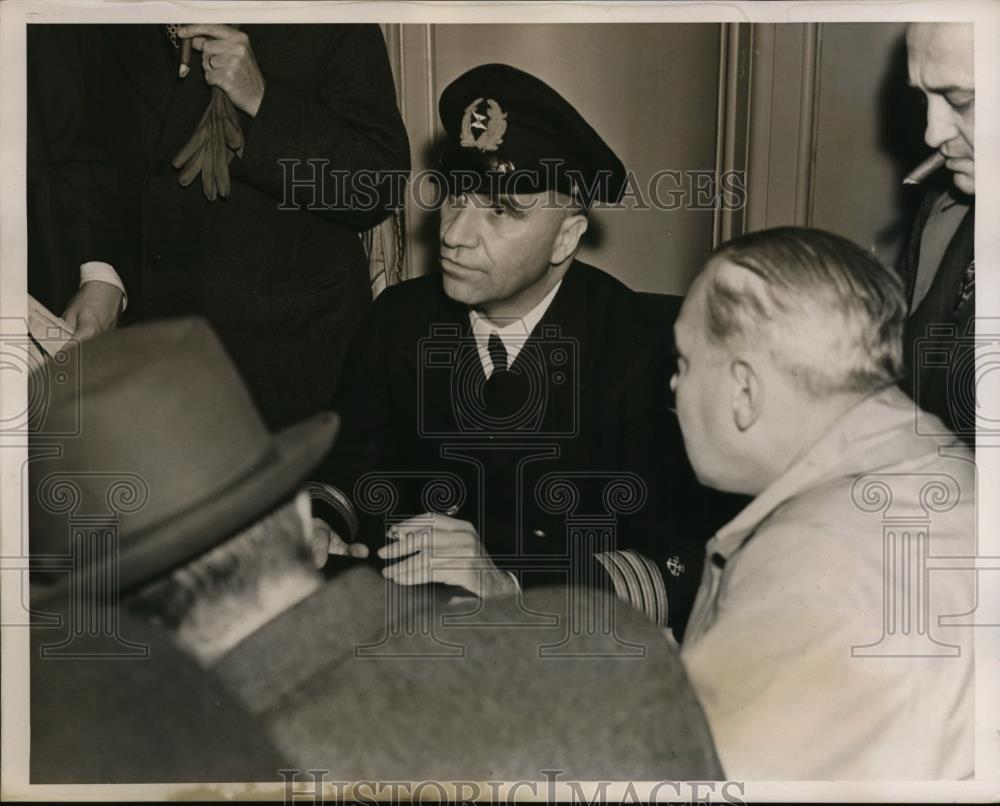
(506,422)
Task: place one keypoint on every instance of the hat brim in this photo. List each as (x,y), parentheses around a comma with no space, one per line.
(473,171)
(170,542)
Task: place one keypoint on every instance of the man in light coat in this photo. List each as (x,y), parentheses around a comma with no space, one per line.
(820,644)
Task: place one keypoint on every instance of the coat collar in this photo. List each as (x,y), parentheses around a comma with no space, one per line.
(567,311)
(878,429)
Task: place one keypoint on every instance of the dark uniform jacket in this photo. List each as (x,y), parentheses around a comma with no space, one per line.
(939,339)
(580,457)
(279,271)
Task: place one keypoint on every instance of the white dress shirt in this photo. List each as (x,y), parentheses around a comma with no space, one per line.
(105,273)
(513,332)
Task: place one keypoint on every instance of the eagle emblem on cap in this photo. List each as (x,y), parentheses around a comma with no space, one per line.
(483,131)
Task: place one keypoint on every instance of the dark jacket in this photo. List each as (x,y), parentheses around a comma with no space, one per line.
(408,688)
(129,707)
(590,459)
(74,205)
(939,338)
(279,272)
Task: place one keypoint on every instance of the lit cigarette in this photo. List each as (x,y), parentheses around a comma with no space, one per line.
(925,169)
(185,67)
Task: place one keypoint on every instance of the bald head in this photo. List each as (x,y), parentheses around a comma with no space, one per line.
(941,64)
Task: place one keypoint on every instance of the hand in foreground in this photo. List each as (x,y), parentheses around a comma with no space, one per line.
(325,541)
(229,63)
(443,549)
(93,309)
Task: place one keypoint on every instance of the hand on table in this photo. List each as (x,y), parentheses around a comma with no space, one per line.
(443,549)
(229,63)
(94,309)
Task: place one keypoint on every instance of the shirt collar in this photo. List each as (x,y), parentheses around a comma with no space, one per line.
(513,332)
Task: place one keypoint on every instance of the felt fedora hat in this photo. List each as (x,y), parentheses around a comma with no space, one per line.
(150,451)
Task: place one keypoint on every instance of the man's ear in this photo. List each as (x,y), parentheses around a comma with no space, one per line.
(568,238)
(747,394)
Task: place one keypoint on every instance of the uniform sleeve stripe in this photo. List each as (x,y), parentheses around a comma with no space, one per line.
(635,582)
(641,572)
(653,586)
(627,583)
(617,580)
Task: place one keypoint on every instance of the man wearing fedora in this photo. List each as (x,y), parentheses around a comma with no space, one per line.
(506,421)
(126,482)
(227,632)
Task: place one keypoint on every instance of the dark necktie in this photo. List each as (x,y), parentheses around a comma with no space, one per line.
(498,355)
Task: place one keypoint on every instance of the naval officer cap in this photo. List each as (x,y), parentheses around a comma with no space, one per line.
(511,132)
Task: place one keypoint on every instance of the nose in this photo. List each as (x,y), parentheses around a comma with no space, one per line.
(673,383)
(940,122)
(458,226)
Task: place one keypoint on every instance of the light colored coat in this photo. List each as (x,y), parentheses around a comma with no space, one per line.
(810,655)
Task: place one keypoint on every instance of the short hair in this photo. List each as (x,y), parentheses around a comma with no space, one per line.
(232,570)
(831,313)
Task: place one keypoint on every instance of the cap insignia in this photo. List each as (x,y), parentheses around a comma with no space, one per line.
(483,131)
